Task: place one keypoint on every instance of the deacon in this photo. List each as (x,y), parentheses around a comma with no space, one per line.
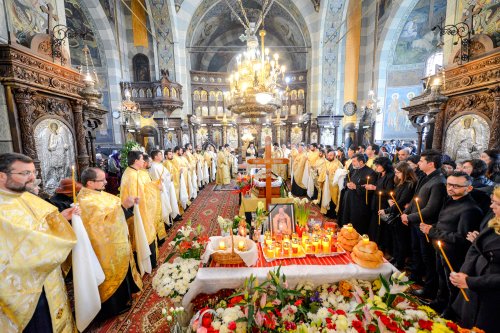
(299,163)
(223,176)
(104,218)
(357,202)
(134,184)
(193,178)
(182,165)
(35,239)
(326,178)
(320,166)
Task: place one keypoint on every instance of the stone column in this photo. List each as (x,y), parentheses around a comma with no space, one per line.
(83,156)
(24,102)
(437,127)
(495,119)
(161,131)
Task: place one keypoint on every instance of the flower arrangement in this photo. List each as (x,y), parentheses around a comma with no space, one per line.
(302,210)
(225,225)
(260,215)
(243,184)
(188,243)
(348,306)
(172,279)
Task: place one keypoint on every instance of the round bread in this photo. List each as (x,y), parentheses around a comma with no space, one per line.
(349,234)
(367,247)
(346,247)
(347,241)
(365,263)
(377,256)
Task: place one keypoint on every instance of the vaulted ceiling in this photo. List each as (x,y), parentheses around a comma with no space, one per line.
(214,34)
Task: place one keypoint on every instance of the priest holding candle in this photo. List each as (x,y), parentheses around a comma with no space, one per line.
(431,192)
(460,214)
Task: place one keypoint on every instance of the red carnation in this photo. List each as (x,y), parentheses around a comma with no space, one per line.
(451,325)
(372,328)
(206,321)
(341,312)
(425,324)
(231,326)
(235,300)
(299,303)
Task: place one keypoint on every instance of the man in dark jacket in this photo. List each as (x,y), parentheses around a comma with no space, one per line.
(460,215)
(431,193)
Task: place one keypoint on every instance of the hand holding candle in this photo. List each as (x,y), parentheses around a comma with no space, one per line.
(421,218)
(396,203)
(451,268)
(379,204)
(366,189)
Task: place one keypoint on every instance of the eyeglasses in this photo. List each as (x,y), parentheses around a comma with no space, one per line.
(24,173)
(456,185)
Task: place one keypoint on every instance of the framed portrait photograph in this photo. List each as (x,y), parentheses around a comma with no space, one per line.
(281,219)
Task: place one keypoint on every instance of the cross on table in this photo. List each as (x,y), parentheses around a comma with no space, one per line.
(268,162)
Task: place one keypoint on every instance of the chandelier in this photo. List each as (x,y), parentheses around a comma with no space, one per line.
(256,85)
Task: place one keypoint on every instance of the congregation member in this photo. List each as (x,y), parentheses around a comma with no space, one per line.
(431,193)
(135,184)
(477,169)
(63,197)
(480,278)
(39,303)
(341,156)
(104,217)
(372,152)
(459,215)
(357,199)
(405,181)
(448,167)
(381,189)
(492,159)
(403,154)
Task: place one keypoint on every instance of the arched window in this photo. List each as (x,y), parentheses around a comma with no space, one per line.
(434,62)
(140,63)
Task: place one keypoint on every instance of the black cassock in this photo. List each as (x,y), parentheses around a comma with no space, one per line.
(355,209)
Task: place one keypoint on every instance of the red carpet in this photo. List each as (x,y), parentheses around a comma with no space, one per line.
(145,314)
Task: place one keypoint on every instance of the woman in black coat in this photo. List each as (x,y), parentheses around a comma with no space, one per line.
(385,185)
(405,180)
(480,277)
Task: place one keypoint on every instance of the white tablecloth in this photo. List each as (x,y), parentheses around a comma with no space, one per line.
(210,280)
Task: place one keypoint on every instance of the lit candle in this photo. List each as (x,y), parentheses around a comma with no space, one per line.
(308,246)
(73,183)
(451,268)
(366,190)
(270,250)
(295,246)
(421,218)
(379,205)
(326,244)
(396,203)
(349,227)
(315,244)
(305,238)
(348,177)
(286,248)
(366,239)
(269,240)
(241,245)
(222,245)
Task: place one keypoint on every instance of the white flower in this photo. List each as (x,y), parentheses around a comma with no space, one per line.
(322,313)
(216,324)
(163,311)
(169,318)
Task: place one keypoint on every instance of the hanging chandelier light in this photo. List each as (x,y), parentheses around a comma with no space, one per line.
(256,85)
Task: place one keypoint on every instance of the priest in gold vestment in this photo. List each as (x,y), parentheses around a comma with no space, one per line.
(327,173)
(175,173)
(299,163)
(223,176)
(279,169)
(104,218)
(35,239)
(135,184)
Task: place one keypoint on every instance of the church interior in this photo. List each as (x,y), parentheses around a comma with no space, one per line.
(294,116)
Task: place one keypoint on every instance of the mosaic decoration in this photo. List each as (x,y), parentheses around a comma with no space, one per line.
(161,17)
(395,120)
(27,19)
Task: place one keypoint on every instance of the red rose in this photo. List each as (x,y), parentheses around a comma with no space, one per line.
(341,312)
(206,321)
(451,325)
(235,300)
(372,328)
(231,326)
(331,311)
(299,303)
(278,313)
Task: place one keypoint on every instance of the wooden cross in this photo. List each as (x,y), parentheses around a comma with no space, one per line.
(268,162)
(49,10)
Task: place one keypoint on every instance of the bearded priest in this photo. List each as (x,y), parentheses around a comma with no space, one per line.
(104,218)
(35,239)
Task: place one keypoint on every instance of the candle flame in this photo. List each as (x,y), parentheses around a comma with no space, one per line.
(416,199)
(439,243)
(380,193)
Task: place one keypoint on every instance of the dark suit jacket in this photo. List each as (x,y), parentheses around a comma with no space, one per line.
(482,265)
(431,192)
(403,194)
(456,219)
